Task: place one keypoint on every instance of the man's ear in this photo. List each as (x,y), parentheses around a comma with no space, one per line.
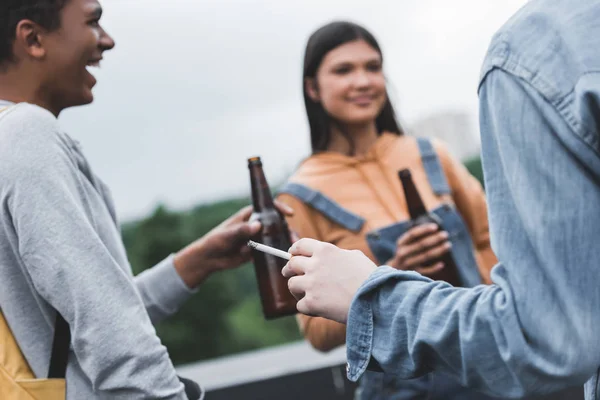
(29,40)
(310,85)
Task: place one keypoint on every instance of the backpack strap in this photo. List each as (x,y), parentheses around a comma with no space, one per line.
(324,205)
(60,349)
(433,167)
(61,341)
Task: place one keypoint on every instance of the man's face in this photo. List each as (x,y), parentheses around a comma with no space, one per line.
(71,50)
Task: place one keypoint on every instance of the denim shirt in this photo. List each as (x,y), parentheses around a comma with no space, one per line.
(535,330)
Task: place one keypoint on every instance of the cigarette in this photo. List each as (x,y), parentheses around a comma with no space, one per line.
(269,250)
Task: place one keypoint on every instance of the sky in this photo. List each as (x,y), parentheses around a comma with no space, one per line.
(195,87)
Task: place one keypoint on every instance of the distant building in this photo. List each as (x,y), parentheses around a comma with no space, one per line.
(457,129)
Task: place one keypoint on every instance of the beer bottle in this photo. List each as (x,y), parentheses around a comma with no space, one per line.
(276,299)
(420,216)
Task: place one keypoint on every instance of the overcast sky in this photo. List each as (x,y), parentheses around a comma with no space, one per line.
(195,87)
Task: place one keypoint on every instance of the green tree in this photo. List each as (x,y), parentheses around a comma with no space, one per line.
(475,168)
(225,315)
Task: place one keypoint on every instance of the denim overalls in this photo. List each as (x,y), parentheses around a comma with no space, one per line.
(382,243)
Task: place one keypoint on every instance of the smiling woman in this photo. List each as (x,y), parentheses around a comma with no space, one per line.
(348,193)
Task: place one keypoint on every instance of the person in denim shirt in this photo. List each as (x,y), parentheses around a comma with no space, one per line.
(535,330)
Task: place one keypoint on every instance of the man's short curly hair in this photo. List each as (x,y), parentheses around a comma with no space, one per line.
(46,13)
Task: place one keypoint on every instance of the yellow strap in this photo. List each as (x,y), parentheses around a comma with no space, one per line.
(17,381)
(11,357)
(41,389)
(31,389)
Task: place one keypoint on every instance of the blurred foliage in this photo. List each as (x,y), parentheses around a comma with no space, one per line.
(225,315)
(475,168)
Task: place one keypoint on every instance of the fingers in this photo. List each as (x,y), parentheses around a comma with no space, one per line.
(303,307)
(248,229)
(243,231)
(245,252)
(420,246)
(428,255)
(296,287)
(417,232)
(284,208)
(242,215)
(296,266)
(430,271)
(253,228)
(287,270)
(306,247)
(423,244)
(294,237)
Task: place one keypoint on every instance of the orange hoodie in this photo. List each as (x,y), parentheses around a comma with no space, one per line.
(368,186)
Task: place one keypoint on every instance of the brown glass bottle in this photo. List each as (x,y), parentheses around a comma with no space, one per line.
(420,216)
(276,299)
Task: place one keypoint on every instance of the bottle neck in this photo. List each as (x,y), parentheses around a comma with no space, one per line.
(415,205)
(261,192)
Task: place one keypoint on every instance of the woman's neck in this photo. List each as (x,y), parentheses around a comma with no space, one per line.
(361,136)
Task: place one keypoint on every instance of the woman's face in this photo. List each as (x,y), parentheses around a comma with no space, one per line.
(350,83)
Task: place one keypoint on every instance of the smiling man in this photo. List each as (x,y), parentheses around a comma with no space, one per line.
(46,48)
(61,255)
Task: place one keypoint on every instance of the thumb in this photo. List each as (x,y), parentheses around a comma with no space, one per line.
(246,230)
(254,227)
(294,237)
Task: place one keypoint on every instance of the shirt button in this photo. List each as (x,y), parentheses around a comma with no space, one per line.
(347,368)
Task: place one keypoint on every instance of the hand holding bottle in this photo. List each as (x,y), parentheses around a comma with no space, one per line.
(420,249)
(224,247)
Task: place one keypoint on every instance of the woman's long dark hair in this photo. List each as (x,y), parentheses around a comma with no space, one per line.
(319,44)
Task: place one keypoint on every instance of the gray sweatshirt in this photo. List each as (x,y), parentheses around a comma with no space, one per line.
(61,249)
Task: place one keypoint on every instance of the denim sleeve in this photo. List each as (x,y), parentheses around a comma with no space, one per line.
(534,330)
